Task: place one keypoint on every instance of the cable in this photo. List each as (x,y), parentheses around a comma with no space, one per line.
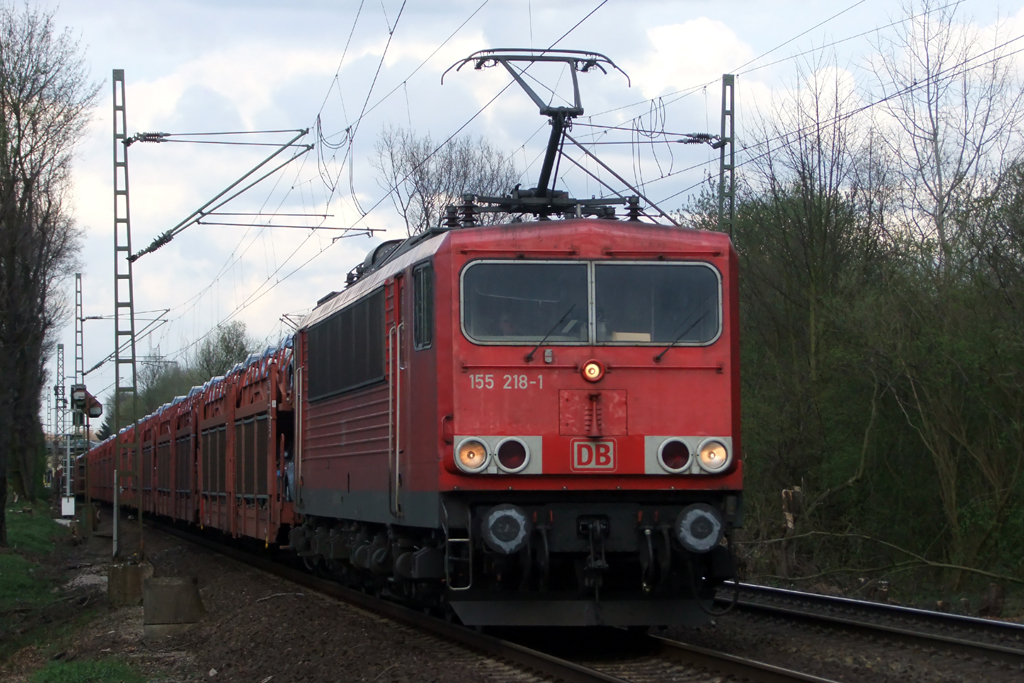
(800,35)
(352,129)
(261,231)
(951,71)
(685,92)
(227,143)
(257,294)
(344,52)
(428,58)
(231,132)
(231,261)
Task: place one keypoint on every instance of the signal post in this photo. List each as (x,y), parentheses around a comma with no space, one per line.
(86,407)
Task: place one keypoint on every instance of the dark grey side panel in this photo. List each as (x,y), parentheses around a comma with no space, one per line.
(419,508)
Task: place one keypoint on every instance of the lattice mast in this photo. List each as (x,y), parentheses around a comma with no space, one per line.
(727,158)
(79,340)
(78,417)
(52,461)
(125,377)
(59,402)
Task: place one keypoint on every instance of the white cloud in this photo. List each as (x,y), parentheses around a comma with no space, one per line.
(685,55)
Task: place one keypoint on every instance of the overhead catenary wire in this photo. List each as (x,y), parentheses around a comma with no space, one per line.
(258,294)
(361,231)
(740,70)
(226,143)
(799,132)
(658,105)
(229,264)
(192,301)
(331,192)
(353,128)
(168,235)
(954,70)
(467,19)
(616,175)
(262,290)
(838,14)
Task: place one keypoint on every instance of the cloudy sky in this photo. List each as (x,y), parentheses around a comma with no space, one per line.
(347,69)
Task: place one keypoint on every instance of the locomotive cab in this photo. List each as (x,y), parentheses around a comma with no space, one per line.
(593,465)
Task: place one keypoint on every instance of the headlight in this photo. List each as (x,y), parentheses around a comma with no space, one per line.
(714,456)
(512,455)
(592,370)
(471,455)
(674,456)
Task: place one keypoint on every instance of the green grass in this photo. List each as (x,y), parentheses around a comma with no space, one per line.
(21,585)
(89,671)
(25,585)
(32,533)
(49,638)
(22,582)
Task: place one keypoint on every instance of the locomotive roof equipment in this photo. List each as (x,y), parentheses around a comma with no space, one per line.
(541,200)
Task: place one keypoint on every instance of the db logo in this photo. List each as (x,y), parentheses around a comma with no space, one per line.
(589,456)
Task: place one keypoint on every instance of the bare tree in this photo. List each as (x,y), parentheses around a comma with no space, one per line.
(807,236)
(953,109)
(424,179)
(45,100)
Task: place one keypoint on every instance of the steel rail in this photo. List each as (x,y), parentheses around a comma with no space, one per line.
(730,665)
(904,633)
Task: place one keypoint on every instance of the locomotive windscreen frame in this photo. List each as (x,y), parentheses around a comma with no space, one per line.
(346,351)
(615,303)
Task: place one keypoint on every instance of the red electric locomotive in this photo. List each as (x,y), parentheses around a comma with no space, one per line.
(525,423)
(540,420)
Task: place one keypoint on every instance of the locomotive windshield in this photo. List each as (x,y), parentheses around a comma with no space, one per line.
(526,302)
(656,303)
(634,303)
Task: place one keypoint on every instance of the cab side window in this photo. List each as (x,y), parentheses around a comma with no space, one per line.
(423,306)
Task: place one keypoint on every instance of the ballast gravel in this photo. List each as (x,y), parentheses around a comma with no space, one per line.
(261,629)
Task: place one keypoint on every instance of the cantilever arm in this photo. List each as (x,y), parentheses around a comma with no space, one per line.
(198,214)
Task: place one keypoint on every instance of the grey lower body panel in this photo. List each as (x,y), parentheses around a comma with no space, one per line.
(419,508)
(638,612)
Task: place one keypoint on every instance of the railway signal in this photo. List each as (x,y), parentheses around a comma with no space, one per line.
(82,400)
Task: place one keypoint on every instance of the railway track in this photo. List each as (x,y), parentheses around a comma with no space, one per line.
(651,659)
(638,658)
(982,639)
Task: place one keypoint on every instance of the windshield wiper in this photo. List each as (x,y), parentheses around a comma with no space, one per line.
(529,356)
(657,359)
